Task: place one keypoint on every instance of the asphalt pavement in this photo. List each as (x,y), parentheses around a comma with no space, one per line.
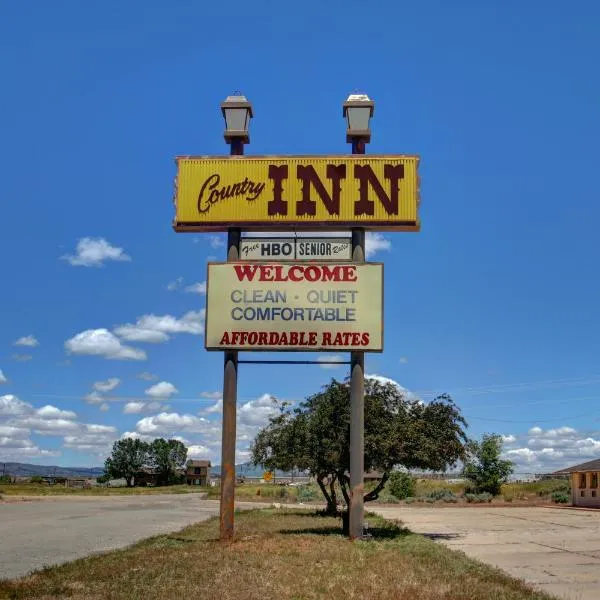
(50,531)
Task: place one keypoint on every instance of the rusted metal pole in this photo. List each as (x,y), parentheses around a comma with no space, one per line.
(230,377)
(357,404)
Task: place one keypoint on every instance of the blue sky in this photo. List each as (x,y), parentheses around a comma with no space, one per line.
(494,301)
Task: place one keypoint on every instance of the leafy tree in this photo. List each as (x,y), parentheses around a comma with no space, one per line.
(484,467)
(166,457)
(399,430)
(36,479)
(127,458)
(401,485)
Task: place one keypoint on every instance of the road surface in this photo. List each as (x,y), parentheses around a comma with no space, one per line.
(554,549)
(51,531)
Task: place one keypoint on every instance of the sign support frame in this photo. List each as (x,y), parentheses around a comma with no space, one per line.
(230,382)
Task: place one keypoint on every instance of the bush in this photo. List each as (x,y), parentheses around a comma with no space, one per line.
(4,478)
(410,500)
(36,479)
(443,494)
(479,498)
(560,497)
(401,485)
(387,498)
(508,497)
(306,493)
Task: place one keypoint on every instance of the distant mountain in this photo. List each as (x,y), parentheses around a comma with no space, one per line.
(27,470)
(249,470)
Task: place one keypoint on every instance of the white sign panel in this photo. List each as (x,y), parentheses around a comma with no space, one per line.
(321,249)
(295,306)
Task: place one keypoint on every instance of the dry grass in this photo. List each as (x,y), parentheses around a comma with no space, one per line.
(38,489)
(277,554)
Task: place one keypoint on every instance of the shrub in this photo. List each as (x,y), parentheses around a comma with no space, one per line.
(306,493)
(409,500)
(560,497)
(508,497)
(4,478)
(36,479)
(401,485)
(443,494)
(479,498)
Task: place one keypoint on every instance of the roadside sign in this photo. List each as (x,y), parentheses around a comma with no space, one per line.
(268,476)
(295,306)
(257,193)
(320,249)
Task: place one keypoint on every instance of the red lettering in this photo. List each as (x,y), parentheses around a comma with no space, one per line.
(307,175)
(366,178)
(294,338)
(252,338)
(312,273)
(327,338)
(330,273)
(273,338)
(266,273)
(225,339)
(292,273)
(349,273)
(356,339)
(262,338)
(245,271)
(347,338)
(338,341)
(365,339)
(312,338)
(278,206)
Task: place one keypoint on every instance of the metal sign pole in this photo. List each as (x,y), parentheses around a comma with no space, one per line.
(357,403)
(230,377)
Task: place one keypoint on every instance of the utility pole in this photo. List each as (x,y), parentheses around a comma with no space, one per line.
(358,110)
(237,112)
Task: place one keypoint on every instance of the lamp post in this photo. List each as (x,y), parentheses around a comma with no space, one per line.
(358,110)
(237,112)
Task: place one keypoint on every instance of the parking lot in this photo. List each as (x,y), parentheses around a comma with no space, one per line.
(554,549)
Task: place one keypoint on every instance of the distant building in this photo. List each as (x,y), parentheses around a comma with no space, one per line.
(197,472)
(584,483)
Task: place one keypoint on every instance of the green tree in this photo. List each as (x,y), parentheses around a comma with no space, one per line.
(484,467)
(166,457)
(401,485)
(399,430)
(128,456)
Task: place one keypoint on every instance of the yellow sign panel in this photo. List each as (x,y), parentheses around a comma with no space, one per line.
(295,306)
(297,192)
(268,475)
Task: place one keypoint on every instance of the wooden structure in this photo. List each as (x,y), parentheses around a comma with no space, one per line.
(197,472)
(584,483)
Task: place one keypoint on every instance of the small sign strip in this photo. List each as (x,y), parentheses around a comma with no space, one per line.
(300,249)
(295,306)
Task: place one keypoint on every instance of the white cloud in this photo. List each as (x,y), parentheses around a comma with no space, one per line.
(198,451)
(101,342)
(50,426)
(51,412)
(175,284)
(542,451)
(133,408)
(3,379)
(94,398)
(375,242)
(165,423)
(216,241)
(216,408)
(134,435)
(147,376)
(93,252)
(257,412)
(104,407)
(156,329)
(162,390)
(196,288)
(212,395)
(92,438)
(22,357)
(328,358)
(28,340)
(107,386)
(11,406)
(403,360)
